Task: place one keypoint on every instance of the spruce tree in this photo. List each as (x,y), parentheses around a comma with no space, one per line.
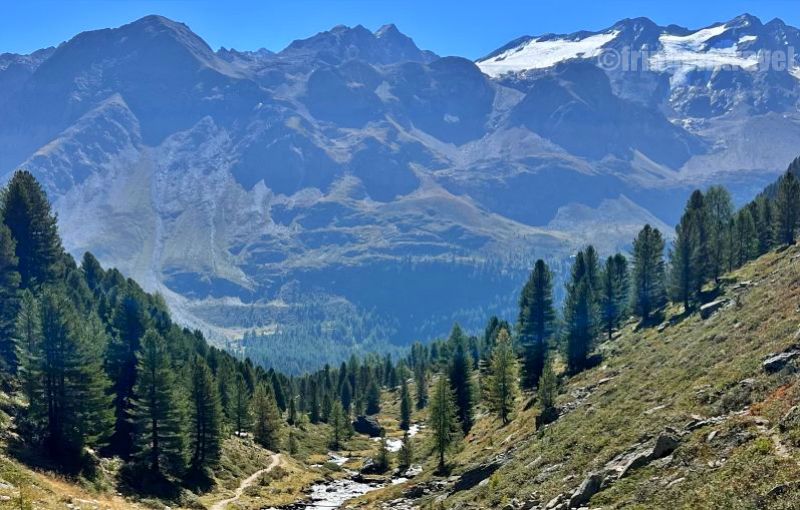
(787,209)
(9,301)
(460,377)
(502,384)
(373,404)
(443,419)
(158,411)
(746,245)
(346,396)
(267,421)
(614,291)
(536,321)
(649,292)
(29,349)
(421,386)
(25,210)
(314,407)
(382,462)
(405,406)
(292,414)
(205,431)
(764,223)
(592,268)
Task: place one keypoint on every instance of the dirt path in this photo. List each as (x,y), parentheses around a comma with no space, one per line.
(247,482)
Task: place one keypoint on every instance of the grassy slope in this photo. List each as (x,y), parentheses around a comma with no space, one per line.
(661,379)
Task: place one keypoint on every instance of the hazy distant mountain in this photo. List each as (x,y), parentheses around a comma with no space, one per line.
(358,172)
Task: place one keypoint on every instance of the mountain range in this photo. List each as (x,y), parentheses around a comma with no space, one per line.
(355,192)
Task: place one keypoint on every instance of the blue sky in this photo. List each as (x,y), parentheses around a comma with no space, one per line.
(470,29)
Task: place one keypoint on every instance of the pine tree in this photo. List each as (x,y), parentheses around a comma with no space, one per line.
(592,268)
(158,413)
(9,301)
(689,259)
(62,375)
(292,415)
(340,426)
(764,223)
(502,385)
(649,292)
(382,462)
(547,393)
(373,398)
(536,321)
(405,406)
(129,323)
(718,214)
(614,291)
(327,403)
(241,405)
(294,447)
(460,377)
(25,210)
(314,408)
(421,385)
(205,433)
(787,209)
(443,420)
(267,421)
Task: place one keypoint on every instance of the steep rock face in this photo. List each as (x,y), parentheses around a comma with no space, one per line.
(246,185)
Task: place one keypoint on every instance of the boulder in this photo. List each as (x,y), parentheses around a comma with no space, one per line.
(474,476)
(708,309)
(367,425)
(776,362)
(588,488)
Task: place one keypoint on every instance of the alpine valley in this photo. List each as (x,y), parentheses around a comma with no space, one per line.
(353,192)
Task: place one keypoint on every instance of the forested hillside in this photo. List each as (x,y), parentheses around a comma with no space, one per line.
(95,373)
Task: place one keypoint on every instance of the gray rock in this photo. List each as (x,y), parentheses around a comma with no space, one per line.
(588,488)
(368,425)
(776,362)
(708,309)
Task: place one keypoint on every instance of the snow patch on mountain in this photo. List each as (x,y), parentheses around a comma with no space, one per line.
(544,52)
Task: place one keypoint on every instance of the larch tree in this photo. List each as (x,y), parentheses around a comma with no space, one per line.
(689,257)
(787,209)
(421,386)
(405,405)
(443,420)
(503,381)
(340,426)
(460,377)
(241,405)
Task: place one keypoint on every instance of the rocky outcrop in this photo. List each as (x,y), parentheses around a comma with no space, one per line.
(709,309)
(367,425)
(776,362)
(476,475)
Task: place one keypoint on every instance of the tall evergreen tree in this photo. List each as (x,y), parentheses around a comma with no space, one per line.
(346,396)
(373,405)
(29,349)
(421,386)
(536,321)
(649,290)
(241,405)
(443,419)
(340,426)
(129,323)
(718,214)
(406,453)
(267,421)
(63,377)
(205,432)
(25,210)
(502,384)
(746,238)
(592,268)
(460,377)
(158,411)
(764,223)
(689,258)
(547,393)
(9,301)
(787,209)
(405,406)
(614,291)
(579,316)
